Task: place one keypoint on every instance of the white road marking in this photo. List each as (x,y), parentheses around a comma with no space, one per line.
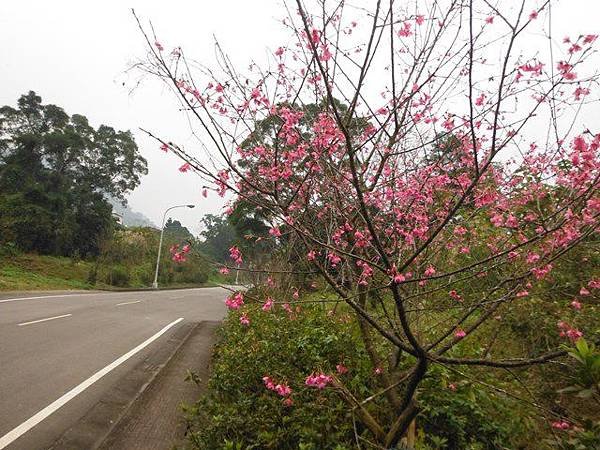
(41,296)
(128,303)
(15,433)
(97,293)
(44,320)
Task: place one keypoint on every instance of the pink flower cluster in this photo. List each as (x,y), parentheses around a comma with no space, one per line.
(244,320)
(561,425)
(568,331)
(268,304)
(341,369)
(177,255)
(319,380)
(282,389)
(235,301)
(235,254)
(459,333)
(275,232)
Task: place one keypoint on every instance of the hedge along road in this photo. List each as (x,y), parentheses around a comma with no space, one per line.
(59,353)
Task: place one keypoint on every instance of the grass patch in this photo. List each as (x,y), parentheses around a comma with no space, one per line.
(41,272)
(15,278)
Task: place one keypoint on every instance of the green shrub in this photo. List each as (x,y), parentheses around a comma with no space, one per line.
(239,409)
(192,274)
(239,412)
(9,249)
(118,277)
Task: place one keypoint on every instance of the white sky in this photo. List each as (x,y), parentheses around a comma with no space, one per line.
(74,54)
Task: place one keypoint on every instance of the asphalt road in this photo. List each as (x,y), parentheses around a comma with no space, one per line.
(59,353)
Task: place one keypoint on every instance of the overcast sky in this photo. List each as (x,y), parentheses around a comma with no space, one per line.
(74,54)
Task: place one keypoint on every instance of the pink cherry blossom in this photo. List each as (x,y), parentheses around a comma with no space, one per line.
(319,380)
(459,333)
(269,383)
(341,369)
(594,284)
(235,301)
(566,330)
(235,254)
(283,389)
(244,320)
(268,304)
(430,271)
(405,31)
(561,425)
(581,92)
(455,295)
(576,305)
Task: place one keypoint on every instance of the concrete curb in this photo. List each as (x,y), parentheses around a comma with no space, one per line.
(96,425)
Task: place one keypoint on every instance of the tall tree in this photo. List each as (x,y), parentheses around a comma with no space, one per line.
(55,173)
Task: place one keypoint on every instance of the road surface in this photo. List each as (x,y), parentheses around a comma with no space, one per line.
(59,353)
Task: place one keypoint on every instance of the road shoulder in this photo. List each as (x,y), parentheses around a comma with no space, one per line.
(155,420)
(144,404)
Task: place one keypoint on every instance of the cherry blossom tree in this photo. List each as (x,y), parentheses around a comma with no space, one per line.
(429,160)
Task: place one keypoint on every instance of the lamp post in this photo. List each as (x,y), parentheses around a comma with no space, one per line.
(162,231)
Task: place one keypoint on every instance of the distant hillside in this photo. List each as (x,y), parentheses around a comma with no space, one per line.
(130,218)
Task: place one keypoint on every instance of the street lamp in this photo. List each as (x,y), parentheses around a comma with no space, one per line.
(162,231)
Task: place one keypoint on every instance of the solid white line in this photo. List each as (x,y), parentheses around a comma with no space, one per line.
(96,293)
(43,320)
(128,303)
(41,296)
(15,433)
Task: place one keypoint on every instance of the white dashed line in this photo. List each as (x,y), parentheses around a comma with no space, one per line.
(128,303)
(44,320)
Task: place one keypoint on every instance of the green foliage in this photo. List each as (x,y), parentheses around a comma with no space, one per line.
(587,377)
(239,412)
(55,173)
(118,276)
(458,414)
(177,232)
(135,249)
(127,260)
(218,236)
